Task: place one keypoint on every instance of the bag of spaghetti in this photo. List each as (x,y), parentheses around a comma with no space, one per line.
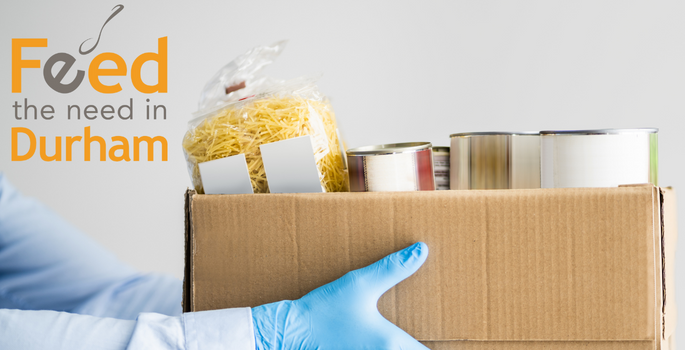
(240,110)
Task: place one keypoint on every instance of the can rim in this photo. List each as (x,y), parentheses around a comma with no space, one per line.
(600,131)
(441,149)
(389,148)
(494,133)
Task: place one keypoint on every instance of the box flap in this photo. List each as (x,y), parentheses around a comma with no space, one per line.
(669,244)
(540,345)
(187,280)
(547,264)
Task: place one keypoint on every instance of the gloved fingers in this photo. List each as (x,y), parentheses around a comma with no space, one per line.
(391,270)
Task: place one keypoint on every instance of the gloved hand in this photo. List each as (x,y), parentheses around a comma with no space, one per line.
(342,314)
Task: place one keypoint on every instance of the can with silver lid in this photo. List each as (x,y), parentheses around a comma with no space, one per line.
(441,167)
(599,158)
(494,160)
(391,167)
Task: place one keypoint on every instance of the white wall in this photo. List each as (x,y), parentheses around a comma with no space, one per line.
(414,71)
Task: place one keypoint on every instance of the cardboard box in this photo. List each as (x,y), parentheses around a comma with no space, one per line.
(507,269)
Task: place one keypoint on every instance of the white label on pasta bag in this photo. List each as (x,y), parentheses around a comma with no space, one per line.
(226,176)
(290,166)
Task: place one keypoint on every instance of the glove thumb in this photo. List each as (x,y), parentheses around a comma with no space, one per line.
(393,269)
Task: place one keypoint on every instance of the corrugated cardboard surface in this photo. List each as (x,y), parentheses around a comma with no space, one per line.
(558,268)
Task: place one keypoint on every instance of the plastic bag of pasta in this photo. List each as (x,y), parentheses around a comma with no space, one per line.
(240,109)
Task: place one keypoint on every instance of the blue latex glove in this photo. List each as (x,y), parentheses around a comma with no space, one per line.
(342,314)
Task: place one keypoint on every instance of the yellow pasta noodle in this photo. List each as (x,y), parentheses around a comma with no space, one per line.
(242,127)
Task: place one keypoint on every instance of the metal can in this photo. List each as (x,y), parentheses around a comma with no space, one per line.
(494,160)
(525,160)
(599,158)
(441,167)
(391,167)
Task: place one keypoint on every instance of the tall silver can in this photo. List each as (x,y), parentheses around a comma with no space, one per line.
(494,160)
(599,158)
(391,167)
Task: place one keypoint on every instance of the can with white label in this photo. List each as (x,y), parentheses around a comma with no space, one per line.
(391,167)
(599,158)
(494,160)
(441,167)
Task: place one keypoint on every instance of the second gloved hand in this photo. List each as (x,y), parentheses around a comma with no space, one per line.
(342,314)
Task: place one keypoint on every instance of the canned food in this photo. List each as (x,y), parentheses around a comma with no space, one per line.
(494,160)
(525,160)
(391,167)
(441,167)
(599,158)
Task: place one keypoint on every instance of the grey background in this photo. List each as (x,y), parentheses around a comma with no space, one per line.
(394,71)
